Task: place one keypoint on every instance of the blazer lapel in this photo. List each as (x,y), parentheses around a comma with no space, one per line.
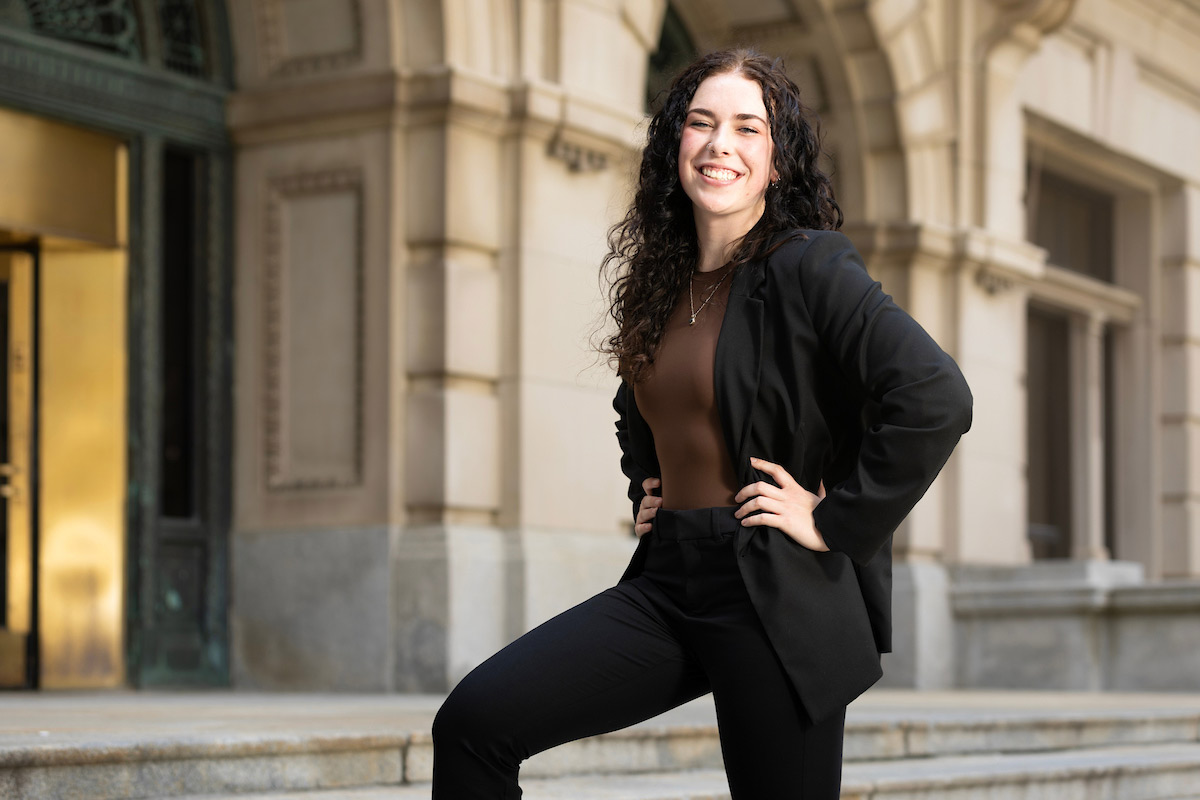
(737,362)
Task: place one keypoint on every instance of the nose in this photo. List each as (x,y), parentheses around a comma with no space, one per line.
(717,145)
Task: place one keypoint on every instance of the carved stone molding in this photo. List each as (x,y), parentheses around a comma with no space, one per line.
(993,281)
(1044,15)
(280,62)
(577,157)
(282,189)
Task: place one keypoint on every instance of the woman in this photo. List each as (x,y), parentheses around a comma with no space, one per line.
(760,364)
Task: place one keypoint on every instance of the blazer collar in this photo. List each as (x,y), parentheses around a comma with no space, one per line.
(737,364)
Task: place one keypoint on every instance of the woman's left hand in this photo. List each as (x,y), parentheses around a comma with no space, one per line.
(787,507)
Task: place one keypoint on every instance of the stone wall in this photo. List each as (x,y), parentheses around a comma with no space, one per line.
(424,459)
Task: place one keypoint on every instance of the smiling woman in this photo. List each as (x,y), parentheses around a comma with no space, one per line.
(751,344)
(725,155)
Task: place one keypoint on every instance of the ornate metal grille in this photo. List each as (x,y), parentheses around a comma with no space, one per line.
(109,25)
(182,47)
(13,12)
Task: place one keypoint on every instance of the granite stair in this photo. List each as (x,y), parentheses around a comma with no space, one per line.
(899,746)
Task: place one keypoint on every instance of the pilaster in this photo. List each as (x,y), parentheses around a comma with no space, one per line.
(1181,383)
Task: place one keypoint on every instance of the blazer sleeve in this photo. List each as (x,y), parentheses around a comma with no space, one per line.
(628,466)
(924,401)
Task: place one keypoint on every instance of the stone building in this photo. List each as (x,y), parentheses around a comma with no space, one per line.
(299,296)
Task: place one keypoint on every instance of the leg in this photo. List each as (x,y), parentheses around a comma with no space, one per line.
(772,750)
(602,665)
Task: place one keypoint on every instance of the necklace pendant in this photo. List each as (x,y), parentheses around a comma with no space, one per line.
(692,320)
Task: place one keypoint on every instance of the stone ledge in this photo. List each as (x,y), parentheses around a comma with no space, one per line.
(1130,773)
(1167,596)
(1126,773)
(121,750)
(106,747)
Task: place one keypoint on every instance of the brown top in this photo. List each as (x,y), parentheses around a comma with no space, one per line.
(676,399)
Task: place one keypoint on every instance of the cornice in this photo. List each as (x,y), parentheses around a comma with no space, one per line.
(61,80)
(437,96)
(999,263)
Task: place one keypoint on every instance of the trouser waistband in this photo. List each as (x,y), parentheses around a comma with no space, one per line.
(695,523)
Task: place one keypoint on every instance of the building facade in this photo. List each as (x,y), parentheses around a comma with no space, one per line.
(357,434)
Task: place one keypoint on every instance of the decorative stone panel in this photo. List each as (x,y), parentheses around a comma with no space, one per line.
(305,36)
(313,332)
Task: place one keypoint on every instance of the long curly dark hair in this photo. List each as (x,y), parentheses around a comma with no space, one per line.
(653,250)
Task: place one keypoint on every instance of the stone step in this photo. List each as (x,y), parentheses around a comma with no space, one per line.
(1158,772)
(142,747)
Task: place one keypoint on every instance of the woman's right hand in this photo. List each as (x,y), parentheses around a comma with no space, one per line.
(648,508)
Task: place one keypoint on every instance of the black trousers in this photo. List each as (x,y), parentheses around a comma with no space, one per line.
(682,628)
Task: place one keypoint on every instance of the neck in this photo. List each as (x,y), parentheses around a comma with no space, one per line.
(719,237)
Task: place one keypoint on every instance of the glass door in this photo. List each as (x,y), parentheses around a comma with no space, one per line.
(18,494)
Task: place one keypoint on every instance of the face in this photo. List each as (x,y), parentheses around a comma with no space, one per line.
(725,152)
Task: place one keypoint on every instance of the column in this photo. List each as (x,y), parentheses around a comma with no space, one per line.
(1087,438)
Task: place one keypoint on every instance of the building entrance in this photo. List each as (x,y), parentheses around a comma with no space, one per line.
(63,405)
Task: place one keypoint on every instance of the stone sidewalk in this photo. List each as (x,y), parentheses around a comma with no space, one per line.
(81,718)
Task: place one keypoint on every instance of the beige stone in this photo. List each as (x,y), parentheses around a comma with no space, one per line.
(1181,380)
(569,460)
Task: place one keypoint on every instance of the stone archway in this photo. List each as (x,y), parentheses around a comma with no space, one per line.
(876,73)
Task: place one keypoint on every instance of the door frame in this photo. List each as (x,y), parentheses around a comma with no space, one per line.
(33,250)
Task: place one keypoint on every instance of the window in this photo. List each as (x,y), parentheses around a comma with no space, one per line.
(675,51)
(1075,320)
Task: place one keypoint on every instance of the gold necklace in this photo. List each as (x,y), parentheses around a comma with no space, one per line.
(692,303)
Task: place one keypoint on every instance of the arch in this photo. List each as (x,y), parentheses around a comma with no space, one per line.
(900,106)
(874,73)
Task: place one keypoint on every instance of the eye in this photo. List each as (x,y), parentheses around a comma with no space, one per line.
(748,129)
(699,123)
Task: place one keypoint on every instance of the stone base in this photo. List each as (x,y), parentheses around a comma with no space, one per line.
(922,654)
(407,609)
(310,610)
(1075,626)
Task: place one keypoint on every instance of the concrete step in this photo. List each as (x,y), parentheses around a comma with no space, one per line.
(1159,772)
(143,746)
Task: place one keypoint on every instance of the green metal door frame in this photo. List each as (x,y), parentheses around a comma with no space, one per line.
(153,107)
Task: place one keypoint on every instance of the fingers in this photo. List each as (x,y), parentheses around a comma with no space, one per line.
(647,509)
(756,489)
(643,524)
(769,505)
(781,475)
(765,518)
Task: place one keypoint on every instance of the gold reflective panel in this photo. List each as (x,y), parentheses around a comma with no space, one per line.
(60,180)
(82,450)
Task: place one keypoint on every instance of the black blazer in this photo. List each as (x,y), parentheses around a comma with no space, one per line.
(818,370)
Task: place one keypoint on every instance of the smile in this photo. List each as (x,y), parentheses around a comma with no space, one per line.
(718,173)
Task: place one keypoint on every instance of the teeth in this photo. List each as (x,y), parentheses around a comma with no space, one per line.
(718,174)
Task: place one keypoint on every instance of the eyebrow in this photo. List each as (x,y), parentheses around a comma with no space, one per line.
(710,114)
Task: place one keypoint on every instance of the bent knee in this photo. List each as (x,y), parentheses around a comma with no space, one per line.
(468,720)
(453,721)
